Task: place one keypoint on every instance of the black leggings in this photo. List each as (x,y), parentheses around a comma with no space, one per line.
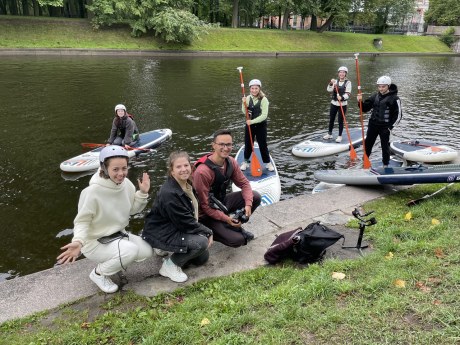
(259,133)
(334,110)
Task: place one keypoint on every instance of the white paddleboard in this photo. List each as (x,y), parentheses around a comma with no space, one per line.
(319,147)
(268,185)
(90,160)
(423,151)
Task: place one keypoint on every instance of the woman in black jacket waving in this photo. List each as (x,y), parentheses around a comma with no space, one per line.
(172,223)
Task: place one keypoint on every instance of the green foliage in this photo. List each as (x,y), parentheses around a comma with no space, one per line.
(443,12)
(177,26)
(169,19)
(55,3)
(448,37)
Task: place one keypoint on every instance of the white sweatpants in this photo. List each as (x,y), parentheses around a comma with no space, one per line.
(117,255)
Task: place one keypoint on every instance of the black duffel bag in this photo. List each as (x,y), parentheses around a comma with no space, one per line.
(303,245)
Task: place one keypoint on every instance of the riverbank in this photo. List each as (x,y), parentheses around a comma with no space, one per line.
(62,33)
(406,282)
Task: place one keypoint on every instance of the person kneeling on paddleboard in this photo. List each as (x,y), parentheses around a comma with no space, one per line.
(386,109)
(257,105)
(124,130)
(214,173)
(340,92)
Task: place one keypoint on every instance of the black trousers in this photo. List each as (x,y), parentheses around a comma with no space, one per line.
(333,111)
(259,133)
(374,131)
(225,233)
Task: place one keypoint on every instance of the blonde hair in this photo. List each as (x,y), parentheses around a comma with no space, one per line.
(175,155)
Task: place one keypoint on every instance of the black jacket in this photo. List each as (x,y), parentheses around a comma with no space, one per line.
(386,109)
(171,216)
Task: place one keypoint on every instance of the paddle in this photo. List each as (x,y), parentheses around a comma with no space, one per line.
(256,168)
(94,146)
(353,154)
(366,162)
(417,201)
(416,143)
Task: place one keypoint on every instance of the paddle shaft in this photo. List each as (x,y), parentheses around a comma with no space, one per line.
(418,201)
(353,155)
(366,161)
(256,169)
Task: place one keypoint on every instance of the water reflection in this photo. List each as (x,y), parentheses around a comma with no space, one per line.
(51,105)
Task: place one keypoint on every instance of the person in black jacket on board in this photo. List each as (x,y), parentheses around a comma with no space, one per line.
(386,109)
(172,223)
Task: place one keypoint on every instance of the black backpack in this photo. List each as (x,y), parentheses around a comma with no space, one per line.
(303,245)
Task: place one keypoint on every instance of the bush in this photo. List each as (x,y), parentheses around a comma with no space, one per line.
(448,37)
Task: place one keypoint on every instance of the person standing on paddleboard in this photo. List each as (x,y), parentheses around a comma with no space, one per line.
(340,90)
(257,105)
(104,209)
(124,130)
(386,109)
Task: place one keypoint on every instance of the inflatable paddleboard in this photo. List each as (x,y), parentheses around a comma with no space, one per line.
(90,160)
(268,185)
(376,163)
(416,174)
(319,147)
(424,151)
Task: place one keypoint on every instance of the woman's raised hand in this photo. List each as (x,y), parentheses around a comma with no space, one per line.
(144,183)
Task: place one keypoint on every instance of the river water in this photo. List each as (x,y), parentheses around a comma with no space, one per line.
(52,104)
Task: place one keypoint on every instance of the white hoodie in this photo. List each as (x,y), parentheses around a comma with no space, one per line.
(105,207)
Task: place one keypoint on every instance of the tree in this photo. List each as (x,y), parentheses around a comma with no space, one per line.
(172,20)
(443,12)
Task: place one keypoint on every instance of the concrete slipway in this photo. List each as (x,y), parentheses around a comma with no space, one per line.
(48,289)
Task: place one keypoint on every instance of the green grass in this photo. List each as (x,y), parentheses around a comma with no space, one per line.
(289,305)
(31,32)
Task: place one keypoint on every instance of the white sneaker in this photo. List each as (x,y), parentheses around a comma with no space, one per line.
(244,165)
(339,139)
(160,252)
(327,136)
(173,272)
(270,166)
(103,282)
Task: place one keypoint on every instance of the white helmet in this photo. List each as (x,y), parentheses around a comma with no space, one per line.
(120,106)
(112,151)
(384,80)
(255,82)
(342,68)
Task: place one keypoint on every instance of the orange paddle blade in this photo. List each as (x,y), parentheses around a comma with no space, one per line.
(92,145)
(256,168)
(366,162)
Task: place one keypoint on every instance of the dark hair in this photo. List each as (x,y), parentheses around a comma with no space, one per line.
(173,156)
(104,172)
(221,132)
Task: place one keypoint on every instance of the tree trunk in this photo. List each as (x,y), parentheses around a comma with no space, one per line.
(235,14)
(25,7)
(279,18)
(326,25)
(287,12)
(314,23)
(13,6)
(3,7)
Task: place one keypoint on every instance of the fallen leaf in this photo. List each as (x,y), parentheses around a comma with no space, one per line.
(84,325)
(438,252)
(408,216)
(399,283)
(435,280)
(389,256)
(422,287)
(205,322)
(434,221)
(338,275)
(436,302)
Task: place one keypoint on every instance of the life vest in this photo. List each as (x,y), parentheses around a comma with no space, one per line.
(381,108)
(254,110)
(342,90)
(122,127)
(221,181)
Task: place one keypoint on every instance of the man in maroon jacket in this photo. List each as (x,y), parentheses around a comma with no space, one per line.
(213,175)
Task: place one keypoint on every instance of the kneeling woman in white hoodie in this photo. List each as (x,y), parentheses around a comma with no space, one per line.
(104,209)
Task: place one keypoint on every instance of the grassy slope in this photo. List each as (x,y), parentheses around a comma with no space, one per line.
(77,33)
(405,291)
